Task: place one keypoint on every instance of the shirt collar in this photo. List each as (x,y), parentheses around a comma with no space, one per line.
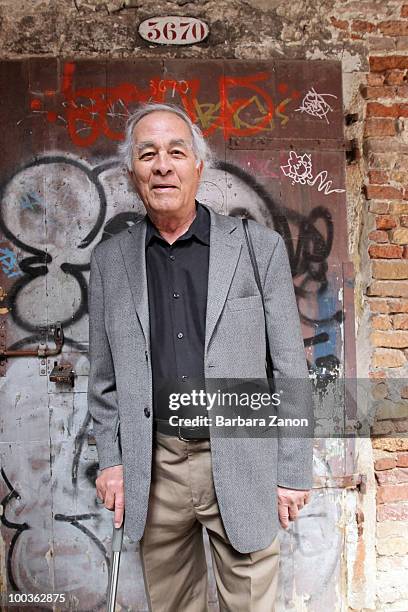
(200,227)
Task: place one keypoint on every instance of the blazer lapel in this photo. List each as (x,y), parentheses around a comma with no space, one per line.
(133,252)
(225,247)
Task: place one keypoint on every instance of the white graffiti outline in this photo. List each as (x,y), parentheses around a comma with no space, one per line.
(299,168)
(315,104)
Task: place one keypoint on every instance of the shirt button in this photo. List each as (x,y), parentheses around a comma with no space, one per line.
(176,295)
(147,412)
(184,377)
(180,335)
(172,257)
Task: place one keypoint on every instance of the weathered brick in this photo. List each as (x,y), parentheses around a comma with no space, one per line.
(388,566)
(385,251)
(388,358)
(400,321)
(385,222)
(401,43)
(397,306)
(402,110)
(391,339)
(398,207)
(383,322)
(379,391)
(404,220)
(386,144)
(396,476)
(382,192)
(378,236)
(378,177)
(375,79)
(380,63)
(401,426)
(405,253)
(393,28)
(392,493)
(376,374)
(394,512)
(399,176)
(386,91)
(391,528)
(378,305)
(379,207)
(386,463)
(375,109)
(390,269)
(359,25)
(394,77)
(404,10)
(392,546)
(384,288)
(341,24)
(400,235)
(402,460)
(390,444)
(382,428)
(401,91)
(380,127)
(381,43)
(388,409)
(401,162)
(383,161)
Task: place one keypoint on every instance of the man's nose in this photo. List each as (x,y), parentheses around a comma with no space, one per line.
(163,164)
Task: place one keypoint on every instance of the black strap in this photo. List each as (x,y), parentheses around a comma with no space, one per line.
(269,364)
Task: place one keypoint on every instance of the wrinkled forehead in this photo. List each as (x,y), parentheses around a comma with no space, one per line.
(159,142)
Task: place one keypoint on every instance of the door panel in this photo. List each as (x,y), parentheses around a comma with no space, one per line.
(276,128)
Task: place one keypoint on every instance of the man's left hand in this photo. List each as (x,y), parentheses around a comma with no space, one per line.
(290,501)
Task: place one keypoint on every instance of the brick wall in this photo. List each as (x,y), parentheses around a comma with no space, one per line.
(384,140)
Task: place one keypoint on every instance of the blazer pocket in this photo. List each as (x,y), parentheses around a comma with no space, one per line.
(245,303)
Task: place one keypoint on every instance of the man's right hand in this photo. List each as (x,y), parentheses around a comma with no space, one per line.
(110,489)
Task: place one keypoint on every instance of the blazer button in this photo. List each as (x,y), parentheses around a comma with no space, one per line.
(147,412)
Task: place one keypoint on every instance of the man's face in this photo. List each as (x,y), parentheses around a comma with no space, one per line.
(164,172)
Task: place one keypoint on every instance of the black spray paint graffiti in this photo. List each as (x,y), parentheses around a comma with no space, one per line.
(18,528)
(76,521)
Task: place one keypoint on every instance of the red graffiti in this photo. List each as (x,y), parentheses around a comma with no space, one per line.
(244,107)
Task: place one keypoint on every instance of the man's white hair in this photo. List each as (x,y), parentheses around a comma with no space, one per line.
(201,149)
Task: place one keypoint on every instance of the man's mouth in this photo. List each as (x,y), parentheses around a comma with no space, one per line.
(164,187)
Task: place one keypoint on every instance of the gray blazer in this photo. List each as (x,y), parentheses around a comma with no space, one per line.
(246,470)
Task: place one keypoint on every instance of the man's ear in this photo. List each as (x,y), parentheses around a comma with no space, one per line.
(200,168)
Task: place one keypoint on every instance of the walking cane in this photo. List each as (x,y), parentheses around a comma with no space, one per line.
(117,537)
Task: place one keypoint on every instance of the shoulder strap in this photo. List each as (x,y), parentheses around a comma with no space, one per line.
(269,364)
(253,258)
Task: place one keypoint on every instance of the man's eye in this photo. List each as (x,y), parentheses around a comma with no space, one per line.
(148,155)
(177,152)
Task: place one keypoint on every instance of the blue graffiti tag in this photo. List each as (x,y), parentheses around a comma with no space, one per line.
(9,263)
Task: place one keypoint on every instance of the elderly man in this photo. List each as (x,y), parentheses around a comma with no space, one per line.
(173,301)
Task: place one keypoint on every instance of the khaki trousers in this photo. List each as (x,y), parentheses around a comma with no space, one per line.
(183,500)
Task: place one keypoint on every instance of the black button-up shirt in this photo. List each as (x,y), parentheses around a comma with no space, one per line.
(177,279)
